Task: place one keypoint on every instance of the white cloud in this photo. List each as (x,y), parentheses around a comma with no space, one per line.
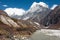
(15,11)
(52,8)
(40,3)
(5,5)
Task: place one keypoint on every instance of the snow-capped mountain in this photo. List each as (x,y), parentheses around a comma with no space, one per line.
(35,6)
(53,7)
(15,12)
(36,9)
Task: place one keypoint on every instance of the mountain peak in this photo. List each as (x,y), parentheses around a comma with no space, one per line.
(53,7)
(14,11)
(40,3)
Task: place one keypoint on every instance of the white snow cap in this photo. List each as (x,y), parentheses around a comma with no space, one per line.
(40,3)
(52,8)
(14,11)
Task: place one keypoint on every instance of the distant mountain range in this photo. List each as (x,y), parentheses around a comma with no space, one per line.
(36,8)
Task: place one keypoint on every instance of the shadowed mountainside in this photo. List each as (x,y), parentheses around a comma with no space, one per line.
(52,20)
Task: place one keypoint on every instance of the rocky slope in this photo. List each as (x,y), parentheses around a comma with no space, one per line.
(52,20)
(11,28)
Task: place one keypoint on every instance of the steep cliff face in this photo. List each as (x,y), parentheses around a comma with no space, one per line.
(52,20)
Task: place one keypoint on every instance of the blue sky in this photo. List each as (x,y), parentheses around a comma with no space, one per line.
(25,4)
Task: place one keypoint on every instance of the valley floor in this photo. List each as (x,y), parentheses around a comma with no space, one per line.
(46,34)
